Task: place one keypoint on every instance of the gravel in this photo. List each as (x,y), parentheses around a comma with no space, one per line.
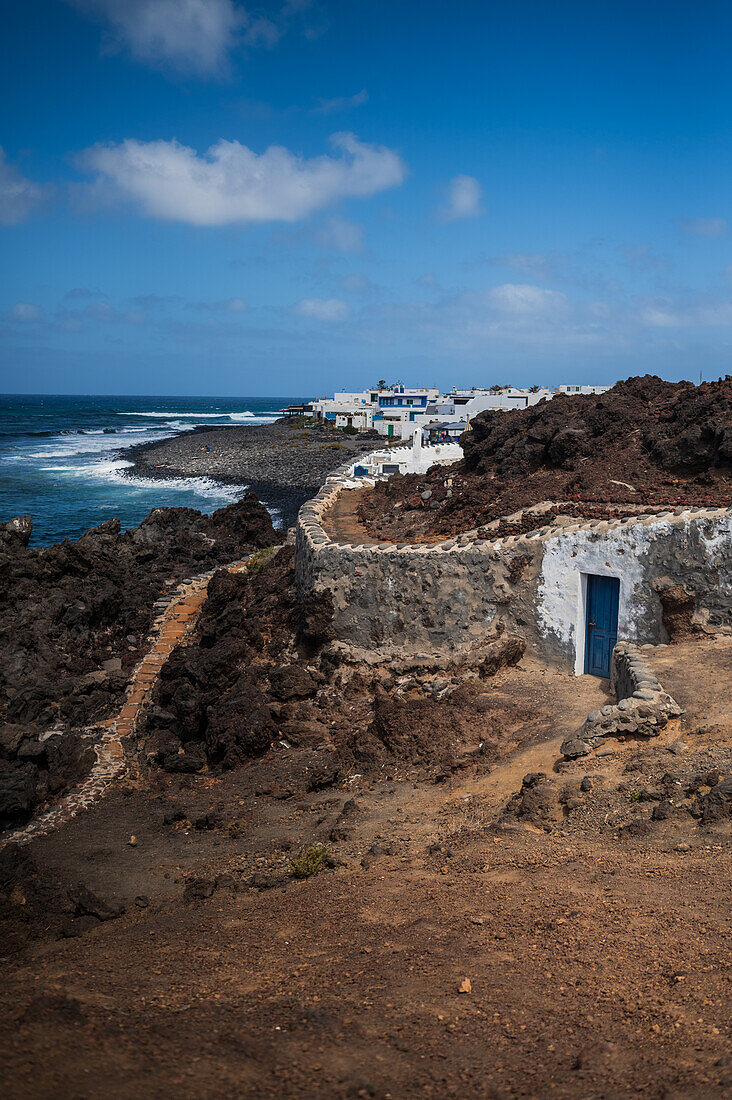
(284,463)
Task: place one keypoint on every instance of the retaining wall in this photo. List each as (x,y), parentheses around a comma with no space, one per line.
(450,596)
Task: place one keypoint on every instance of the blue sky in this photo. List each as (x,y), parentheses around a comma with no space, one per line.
(203,196)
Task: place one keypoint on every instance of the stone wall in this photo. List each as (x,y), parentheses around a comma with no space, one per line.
(643,708)
(452,596)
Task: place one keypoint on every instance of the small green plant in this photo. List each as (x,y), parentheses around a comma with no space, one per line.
(348,429)
(259,558)
(310,861)
(635,797)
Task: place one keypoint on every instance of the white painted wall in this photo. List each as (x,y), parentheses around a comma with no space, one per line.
(569,558)
(411,459)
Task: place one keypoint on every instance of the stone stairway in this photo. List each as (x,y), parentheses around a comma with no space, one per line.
(176,619)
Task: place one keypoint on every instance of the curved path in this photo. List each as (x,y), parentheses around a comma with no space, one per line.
(344,524)
(174,623)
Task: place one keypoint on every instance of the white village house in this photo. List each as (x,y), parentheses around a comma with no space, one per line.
(396,410)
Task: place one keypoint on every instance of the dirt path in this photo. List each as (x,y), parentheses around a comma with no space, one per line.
(598,963)
(595,969)
(342,522)
(698,674)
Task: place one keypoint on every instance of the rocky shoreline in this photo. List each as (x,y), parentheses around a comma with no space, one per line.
(284,463)
(74,623)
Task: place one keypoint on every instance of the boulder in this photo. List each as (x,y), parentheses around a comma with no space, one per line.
(291,682)
(16,533)
(17,791)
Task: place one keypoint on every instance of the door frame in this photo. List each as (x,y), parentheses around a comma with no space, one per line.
(581,621)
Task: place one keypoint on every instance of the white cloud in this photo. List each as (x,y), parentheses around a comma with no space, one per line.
(25,312)
(341,103)
(235,305)
(82,294)
(100,311)
(262,32)
(223,305)
(194,35)
(323,309)
(671,313)
(154,301)
(641,257)
(520,298)
(658,317)
(505,317)
(18,196)
(341,234)
(464,195)
(531,263)
(705,227)
(356,283)
(191,35)
(231,183)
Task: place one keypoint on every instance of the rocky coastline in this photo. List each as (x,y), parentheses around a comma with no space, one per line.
(76,614)
(284,463)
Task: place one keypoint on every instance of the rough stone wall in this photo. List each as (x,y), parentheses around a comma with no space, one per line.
(643,708)
(452,596)
(449,597)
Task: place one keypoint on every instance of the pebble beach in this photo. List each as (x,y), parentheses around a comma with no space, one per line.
(284,463)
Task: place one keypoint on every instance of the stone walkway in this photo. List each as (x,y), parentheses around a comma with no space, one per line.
(177,618)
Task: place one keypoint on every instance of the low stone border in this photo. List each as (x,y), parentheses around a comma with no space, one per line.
(313,512)
(643,707)
(176,617)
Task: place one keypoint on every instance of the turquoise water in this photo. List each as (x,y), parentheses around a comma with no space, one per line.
(60,461)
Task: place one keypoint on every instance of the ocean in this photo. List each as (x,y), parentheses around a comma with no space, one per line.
(59,460)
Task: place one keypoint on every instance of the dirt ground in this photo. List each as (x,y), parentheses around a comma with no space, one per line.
(592,943)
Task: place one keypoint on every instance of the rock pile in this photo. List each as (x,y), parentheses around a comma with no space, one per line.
(644,441)
(224,699)
(74,619)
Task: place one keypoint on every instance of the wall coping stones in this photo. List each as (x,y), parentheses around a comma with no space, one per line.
(310,523)
(322,560)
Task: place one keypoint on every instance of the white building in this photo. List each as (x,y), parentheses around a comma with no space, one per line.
(383,410)
(583,390)
(416,459)
(395,411)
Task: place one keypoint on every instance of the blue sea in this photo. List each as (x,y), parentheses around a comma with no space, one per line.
(60,460)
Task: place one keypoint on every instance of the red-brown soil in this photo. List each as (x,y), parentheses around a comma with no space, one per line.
(644,442)
(593,929)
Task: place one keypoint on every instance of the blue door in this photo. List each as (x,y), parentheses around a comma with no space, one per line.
(601,632)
